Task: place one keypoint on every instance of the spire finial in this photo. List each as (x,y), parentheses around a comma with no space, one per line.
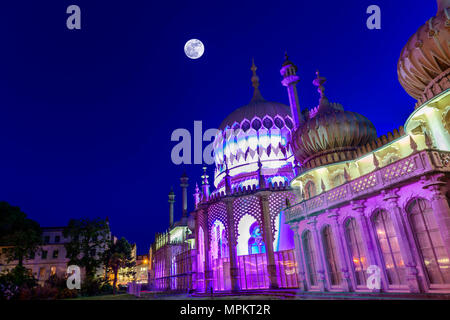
(319,82)
(255,78)
(255,84)
(204,176)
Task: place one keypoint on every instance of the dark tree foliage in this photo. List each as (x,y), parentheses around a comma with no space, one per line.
(119,256)
(21,235)
(88,239)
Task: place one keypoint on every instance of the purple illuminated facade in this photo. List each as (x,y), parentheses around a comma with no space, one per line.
(314,200)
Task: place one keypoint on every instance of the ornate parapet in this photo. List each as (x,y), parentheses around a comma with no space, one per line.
(411,167)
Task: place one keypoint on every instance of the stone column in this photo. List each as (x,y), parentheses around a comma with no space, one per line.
(405,248)
(365,234)
(268,239)
(320,267)
(441,209)
(234,270)
(340,242)
(299,259)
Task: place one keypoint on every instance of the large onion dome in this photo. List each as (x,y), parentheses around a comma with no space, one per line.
(330,133)
(424,65)
(252,140)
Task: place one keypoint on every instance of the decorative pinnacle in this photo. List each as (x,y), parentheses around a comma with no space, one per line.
(376,163)
(255,84)
(255,78)
(319,82)
(204,176)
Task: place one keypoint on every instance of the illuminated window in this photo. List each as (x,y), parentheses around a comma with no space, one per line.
(356,248)
(52,270)
(310,258)
(256,243)
(310,190)
(331,256)
(219,244)
(429,241)
(42,272)
(390,249)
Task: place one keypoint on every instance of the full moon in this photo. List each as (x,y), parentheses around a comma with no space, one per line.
(194,49)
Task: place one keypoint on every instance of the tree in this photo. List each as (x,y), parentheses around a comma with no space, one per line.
(88,239)
(119,256)
(21,235)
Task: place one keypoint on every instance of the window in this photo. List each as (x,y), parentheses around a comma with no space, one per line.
(55,254)
(310,258)
(429,241)
(310,190)
(57,239)
(331,256)
(44,254)
(356,249)
(46,239)
(390,249)
(256,243)
(32,255)
(338,180)
(52,270)
(42,273)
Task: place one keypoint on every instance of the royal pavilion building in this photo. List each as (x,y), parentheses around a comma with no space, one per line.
(313,200)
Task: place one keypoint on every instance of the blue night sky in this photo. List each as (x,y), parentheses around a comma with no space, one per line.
(87,115)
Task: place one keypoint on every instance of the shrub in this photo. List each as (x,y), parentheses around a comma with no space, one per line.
(67,294)
(14,281)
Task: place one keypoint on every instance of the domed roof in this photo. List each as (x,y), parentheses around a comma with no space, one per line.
(258,139)
(259,109)
(425,60)
(330,131)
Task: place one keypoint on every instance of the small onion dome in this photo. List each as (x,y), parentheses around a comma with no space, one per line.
(424,65)
(330,133)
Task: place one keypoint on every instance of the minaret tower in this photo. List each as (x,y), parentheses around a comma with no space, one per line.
(184,184)
(290,79)
(171,202)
